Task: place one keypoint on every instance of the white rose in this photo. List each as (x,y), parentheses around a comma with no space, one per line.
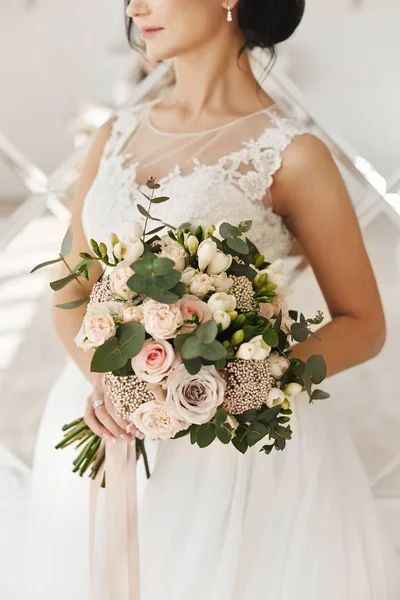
(222,283)
(222,301)
(118,283)
(154,420)
(222,317)
(175,252)
(255,349)
(275,396)
(188,274)
(194,398)
(221,262)
(129,251)
(97,327)
(162,321)
(201,284)
(292,389)
(131,230)
(206,252)
(128,313)
(279,365)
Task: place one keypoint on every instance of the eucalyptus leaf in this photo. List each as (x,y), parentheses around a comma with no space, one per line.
(155,230)
(299,332)
(238,245)
(46,264)
(278,322)
(205,435)
(207,332)
(316,368)
(163,265)
(245,226)
(167,280)
(214,351)
(239,270)
(143,211)
(108,357)
(179,289)
(270,337)
(159,199)
(61,283)
(131,338)
(257,432)
(223,435)
(240,444)
(181,434)
(180,340)
(320,395)
(225,230)
(192,348)
(220,416)
(269,414)
(193,366)
(73,303)
(66,244)
(143,267)
(137,283)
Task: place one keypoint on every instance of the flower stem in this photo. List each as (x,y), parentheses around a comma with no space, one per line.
(142,449)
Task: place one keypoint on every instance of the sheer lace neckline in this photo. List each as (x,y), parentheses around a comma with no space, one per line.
(155,129)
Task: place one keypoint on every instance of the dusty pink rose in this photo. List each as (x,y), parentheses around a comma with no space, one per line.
(279,364)
(131,313)
(192,304)
(97,327)
(118,283)
(279,303)
(173,250)
(266,310)
(162,321)
(155,360)
(201,284)
(154,419)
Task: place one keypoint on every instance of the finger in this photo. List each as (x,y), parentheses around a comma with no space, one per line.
(92,421)
(123,423)
(106,419)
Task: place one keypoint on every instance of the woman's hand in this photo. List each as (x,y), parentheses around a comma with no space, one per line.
(103,421)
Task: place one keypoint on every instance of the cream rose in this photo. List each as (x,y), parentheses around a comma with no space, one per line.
(153,418)
(118,283)
(173,250)
(97,327)
(162,321)
(222,301)
(192,304)
(201,284)
(194,398)
(279,364)
(155,360)
(129,313)
(221,282)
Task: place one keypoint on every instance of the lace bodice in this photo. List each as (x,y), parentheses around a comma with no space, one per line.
(221,173)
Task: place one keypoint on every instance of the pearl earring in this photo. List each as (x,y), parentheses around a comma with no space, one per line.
(229,14)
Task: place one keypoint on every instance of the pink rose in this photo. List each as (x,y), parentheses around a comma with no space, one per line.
(97,327)
(153,418)
(162,321)
(279,303)
(155,360)
(266,310)
(192,304)
(131,313)
(118,283)
(201,284)
(173,250)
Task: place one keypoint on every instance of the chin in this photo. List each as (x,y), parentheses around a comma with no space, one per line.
(160,53)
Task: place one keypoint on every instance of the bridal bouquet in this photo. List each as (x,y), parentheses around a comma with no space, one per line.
(192,332)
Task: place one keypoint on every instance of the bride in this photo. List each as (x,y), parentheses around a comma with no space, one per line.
(214,524)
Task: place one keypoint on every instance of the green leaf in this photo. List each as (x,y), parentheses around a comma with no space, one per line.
(66,244)
(267,449)
(205,435)
(270,337)
(155,230)
(131,338)
(180,340)
(245,226)
(73,303)
(108,357)
(46,264)
(225,230)
(137,283)
(223,435)
(239,270)
(258,432)
(299,332)
(238,245)
(220,416)
(240,444)
(320,395)
(214,351)
(181,434)
(316,368)
(168,280)
(155,292)
(248,416)
(143,211)
(193,366)
(207,332)
(193,431)
(179,289)
(278,322)
(163,265)
(192,348)
(280,432)
(270,414)
(61,283)
(95,247)
(143,267)
(159,199)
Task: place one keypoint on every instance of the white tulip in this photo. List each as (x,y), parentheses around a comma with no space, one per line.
(192,244)
(221,262)
(222,317)
(222,301)
(188,275)
(206,252)
(275,396)
(131,230)
(293,389)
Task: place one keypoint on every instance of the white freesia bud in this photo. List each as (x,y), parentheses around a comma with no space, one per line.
(221,262)
(277,266)
(222,317)
(255,349)
(129,251)
(188,275)
(275,396)
(222,301)
(192,244)
(209,231)
(206,252)
(131,230)
(292,389)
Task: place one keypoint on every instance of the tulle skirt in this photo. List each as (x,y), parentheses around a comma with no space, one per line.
(218,525)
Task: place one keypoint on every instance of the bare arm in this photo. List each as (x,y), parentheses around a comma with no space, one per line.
(310,194)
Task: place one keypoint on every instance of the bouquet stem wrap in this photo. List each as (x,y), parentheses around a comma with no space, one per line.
(119,577)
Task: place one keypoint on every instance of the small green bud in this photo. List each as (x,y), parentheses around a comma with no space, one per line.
(103,249)
(237,337)
(192,244)
(114,239)
(285,404)
(233,314)
(259,260)
(239,321)
(262,280)
(209,231)
(226,344)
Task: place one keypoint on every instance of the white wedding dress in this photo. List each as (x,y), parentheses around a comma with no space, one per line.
(213,524)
